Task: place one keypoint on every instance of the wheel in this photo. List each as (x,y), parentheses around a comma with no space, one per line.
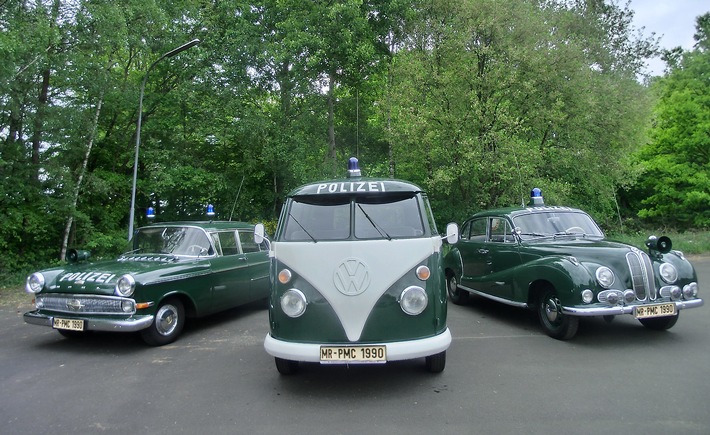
(436,363)
(457,296)
(167,324)
(285,366)
(660,323)
(555,324)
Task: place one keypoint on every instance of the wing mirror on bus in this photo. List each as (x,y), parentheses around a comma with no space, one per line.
(259,233)
(452,233)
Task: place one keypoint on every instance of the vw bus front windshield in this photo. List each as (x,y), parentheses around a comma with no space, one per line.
(363,217)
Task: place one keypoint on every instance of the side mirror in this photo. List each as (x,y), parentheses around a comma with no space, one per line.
(258,233)
(452,233)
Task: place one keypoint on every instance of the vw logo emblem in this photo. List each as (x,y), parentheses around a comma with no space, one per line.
(351,277)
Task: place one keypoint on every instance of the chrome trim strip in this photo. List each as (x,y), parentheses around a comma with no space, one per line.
(495,298)
(626,309)
(131,324)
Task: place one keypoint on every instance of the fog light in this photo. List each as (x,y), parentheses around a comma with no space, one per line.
(128,306)
(293,303)
(692,290)
(629,296)
(587,296)
(413,300)
(612,298)
(676,292)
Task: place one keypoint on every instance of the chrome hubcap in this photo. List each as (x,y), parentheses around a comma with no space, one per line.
(166,319)
(552,310)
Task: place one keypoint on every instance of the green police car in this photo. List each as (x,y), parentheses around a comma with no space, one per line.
(171,271)
(557,261)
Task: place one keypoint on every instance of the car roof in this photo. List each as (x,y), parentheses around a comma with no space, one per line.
(207,225)
(513,212)
(355,186)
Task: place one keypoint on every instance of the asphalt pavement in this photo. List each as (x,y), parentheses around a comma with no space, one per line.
(503,376)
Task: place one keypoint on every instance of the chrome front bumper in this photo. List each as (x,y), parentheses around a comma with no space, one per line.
(130,324)
(618,310)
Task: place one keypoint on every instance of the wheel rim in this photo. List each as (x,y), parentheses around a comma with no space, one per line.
(552,309)
(166,319)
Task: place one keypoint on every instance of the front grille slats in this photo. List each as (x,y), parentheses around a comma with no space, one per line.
(642,279)
(81,304)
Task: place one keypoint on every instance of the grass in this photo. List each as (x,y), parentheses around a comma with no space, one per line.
(688,242)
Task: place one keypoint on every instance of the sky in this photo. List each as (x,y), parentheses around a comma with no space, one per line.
(671,20)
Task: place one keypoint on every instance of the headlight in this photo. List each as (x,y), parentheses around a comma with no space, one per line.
(668,273)
(413,300)
(125,286)
(293,303)
(35,283)
(605,277)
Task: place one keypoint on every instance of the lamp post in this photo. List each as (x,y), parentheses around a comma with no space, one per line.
(170,53)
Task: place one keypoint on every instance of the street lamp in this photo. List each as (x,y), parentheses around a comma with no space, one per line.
(170,53)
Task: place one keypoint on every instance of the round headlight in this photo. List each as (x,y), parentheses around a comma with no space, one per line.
(413,300)
(293,303)
(668,273)
(35,283)
(587,296)
(605,277)
(127,306)
(125,286)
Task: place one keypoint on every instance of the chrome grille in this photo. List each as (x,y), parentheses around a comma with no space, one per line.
(82,304)
(642,279)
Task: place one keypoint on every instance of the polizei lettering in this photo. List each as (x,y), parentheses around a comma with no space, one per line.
(80,278)
(351,187)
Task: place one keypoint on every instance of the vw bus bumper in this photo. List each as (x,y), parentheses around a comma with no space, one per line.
(396,351)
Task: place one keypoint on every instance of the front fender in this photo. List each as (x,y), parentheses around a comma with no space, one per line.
(564,273)
(453,263)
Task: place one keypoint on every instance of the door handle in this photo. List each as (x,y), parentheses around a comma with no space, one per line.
(483,251)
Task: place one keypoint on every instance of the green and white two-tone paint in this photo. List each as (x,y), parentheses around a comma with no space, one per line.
(357,277)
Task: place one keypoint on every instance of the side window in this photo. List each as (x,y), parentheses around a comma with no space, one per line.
(229,242)
(478,230)
(500,231)
(465,229)
(246,239)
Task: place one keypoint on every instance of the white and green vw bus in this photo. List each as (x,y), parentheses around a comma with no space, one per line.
(356,275)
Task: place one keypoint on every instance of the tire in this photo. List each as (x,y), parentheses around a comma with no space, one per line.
(553,322)
(167,324)
(456,295)
(436,363)
(660,323)
(286,367)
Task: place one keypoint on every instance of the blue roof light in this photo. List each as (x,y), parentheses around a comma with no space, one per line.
(210,210)
(536,199)
(353,168)
(150,213)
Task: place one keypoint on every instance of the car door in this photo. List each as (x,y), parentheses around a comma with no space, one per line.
(474,253)
(257,258)
(231,275)
(501,259)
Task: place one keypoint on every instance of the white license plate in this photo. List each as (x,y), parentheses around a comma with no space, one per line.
(658,310)
(70,324)
(353,354)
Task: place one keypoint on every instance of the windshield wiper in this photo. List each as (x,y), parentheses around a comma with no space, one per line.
(304,230)
(382,232)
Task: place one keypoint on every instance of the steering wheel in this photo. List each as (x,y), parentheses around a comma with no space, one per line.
(197,249)
(575,230)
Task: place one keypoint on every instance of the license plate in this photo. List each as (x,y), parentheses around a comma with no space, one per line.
(353,354)
(70,324)
(658,310)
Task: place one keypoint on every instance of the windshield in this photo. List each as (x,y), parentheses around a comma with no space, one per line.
(188,241)
(556,223)
(367,217)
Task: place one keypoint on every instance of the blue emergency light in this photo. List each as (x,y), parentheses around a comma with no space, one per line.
(210,210)
(353,168)
(150,213)
(536,199)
